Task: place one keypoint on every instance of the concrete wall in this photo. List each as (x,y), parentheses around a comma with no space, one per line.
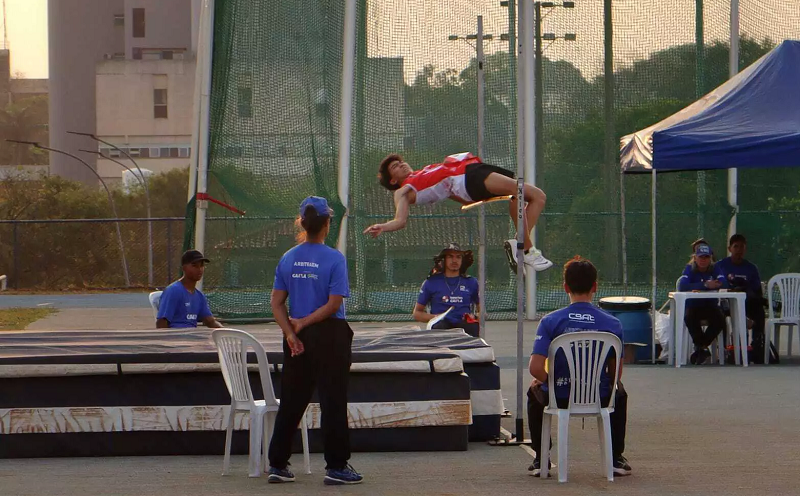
(80,32)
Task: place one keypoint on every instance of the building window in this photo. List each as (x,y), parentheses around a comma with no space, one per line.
(160,103)
(133,152)
(155,152)
(166,55)
(183,152)
(138,23)
(119,19)
(137,53)
(245,102)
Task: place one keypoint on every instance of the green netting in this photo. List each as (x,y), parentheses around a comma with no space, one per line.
(275,127)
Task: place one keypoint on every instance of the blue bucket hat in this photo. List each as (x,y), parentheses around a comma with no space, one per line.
(318,203)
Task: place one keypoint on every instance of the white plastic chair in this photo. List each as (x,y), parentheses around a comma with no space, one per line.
(717,347)
(586,354)
(789,289)
(232,346)
(155,300)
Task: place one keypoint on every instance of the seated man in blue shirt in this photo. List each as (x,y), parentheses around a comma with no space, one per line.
(743,275)
(580,283)
(182,304)
(448,285)
(701,274)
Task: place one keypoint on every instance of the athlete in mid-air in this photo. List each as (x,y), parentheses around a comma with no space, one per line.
(464,178)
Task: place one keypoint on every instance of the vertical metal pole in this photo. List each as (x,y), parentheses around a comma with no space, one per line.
(346,115)
(699,91)
(524,47)
(623,231)
(733,62)
(169,251)
(16,258)
(207,17)
(482,212)
(654,266)
(529,104)
(610,224)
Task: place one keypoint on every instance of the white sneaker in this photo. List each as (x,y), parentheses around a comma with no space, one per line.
(535,260)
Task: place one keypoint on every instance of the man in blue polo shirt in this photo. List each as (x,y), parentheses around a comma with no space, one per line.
(743,276)
(449,286)
(182,304)
(580,283)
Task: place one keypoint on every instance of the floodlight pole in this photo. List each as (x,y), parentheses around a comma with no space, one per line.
(144,181)
(108,192)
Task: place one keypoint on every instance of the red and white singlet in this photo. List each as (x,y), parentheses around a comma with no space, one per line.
(437,182)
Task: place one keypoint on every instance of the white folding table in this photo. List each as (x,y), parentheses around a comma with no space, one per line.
(677,307)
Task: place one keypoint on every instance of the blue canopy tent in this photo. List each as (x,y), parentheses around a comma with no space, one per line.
(752,120)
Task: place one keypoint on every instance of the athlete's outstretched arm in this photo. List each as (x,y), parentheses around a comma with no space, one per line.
(402,205)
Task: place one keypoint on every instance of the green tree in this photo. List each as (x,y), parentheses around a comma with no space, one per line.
(25,120)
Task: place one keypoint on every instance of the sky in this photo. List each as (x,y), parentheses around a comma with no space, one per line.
(26,21)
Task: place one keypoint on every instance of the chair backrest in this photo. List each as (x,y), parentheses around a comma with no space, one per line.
(155,300)
(232,346)
(789,288)
(586,353)
(678,284)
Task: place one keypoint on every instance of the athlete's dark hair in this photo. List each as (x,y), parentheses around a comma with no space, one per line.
(383,172)
(580,275)
(737,238)
(311,225)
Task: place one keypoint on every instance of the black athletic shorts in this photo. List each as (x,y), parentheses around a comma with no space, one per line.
(474,177)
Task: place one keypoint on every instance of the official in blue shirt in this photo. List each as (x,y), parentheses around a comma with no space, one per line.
(743,275)
(316,351)
(580,283)
(700,274)
(182,304)
(449,286)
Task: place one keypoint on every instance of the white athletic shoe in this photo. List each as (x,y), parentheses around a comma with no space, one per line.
(533,259)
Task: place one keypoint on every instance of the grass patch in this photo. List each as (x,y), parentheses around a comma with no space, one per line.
(13,319)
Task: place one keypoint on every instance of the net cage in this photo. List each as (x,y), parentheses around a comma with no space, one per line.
(607,68)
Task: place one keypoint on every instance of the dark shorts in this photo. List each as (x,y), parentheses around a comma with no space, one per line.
(474,177)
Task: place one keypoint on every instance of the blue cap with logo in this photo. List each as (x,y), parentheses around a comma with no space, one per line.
(702,251)
(318,203)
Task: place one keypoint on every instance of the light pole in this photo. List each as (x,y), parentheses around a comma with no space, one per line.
(479,38)
(143,179)
(108,192)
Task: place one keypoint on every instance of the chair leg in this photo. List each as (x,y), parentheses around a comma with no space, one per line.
(226,461)
(544,456)
(256,429)
(563,444)
(768,334)
(789,340)
(605,444)
(304,433)
(266,434)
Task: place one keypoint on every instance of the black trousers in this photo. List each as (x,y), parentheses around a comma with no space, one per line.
(539,399)
(713,315)
(471,328)
(325,364)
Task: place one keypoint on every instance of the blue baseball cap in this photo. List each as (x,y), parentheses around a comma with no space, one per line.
(702,251)
(318,203)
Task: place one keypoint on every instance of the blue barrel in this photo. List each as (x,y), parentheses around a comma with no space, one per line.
(637,326)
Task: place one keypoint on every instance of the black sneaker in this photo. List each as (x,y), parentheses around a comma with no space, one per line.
(704,357)
(693,357)
(535,468)
(621,466)
(279,475)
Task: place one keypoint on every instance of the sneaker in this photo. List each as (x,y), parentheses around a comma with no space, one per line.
(536,260)
(535,468)
(533,258)
(704,357)
(347,475)
(280,475)
(621,466)
(510,248)
(693,357)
